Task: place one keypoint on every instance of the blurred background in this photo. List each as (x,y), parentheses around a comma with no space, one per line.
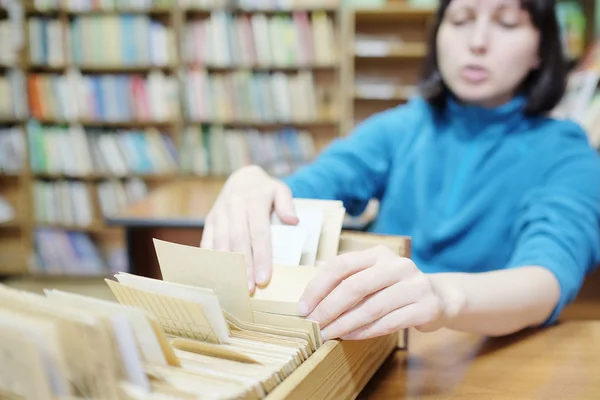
(103,101)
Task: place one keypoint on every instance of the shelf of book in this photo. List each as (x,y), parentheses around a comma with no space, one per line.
(109,103)
(113,102)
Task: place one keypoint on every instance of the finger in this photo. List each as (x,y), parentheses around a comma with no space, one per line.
(207,240)
(355,288)
(239,234)
(260,237)
(284,205)
(331,275)
(373,308)
(221,231)
(401,318)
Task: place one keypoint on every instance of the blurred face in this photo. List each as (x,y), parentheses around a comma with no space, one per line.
(485,49)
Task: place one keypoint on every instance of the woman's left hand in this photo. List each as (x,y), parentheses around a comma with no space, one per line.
(371,293)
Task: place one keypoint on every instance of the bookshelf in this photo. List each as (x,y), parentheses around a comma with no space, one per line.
(109,103)
(383,54)
(116,101)
(14,229)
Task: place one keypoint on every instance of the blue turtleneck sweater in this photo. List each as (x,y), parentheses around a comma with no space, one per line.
(477,189)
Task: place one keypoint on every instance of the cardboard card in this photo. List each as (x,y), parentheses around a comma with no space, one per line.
(265,375)
(43,334)
(296,323)
(310,223)
(209,349)
(223,272)
(206,298)
(358,241)
(323,221)
(127,346)
(146,339)
(176,316)
(281,294)
(287,244)
(293,331)
(22,367)
(85,338)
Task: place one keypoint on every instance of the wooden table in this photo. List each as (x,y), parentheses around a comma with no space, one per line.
(561,362)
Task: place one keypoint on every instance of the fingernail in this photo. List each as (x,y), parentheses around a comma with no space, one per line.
(323,336)
(262,277)
(292,218)
(302,308)
(250,286)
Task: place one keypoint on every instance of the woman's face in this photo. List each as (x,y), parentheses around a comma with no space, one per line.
(485,49)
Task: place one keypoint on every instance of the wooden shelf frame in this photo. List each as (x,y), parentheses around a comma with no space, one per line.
(390,19)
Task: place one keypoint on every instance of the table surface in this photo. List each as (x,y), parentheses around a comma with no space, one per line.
(560,362)
(186,204)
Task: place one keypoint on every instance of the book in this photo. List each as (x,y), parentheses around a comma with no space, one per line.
(197,333)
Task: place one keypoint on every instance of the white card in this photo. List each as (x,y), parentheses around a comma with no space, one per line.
(287,243)
(311,221)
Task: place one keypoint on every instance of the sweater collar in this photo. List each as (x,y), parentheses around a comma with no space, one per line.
(482,121)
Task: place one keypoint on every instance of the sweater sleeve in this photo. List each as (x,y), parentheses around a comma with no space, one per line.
(354,168)
(558,227)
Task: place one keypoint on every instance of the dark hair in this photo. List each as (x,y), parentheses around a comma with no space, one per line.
(543,88)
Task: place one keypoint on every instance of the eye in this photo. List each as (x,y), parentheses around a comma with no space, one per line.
(460,17)
(508,19)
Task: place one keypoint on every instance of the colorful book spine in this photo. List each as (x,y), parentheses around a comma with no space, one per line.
(214,150)
(258,40)
(103,97)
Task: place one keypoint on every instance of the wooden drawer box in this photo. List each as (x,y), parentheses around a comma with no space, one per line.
(340,369)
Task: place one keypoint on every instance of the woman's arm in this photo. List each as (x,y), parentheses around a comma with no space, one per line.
(557,235)
(375,292)
(498,302)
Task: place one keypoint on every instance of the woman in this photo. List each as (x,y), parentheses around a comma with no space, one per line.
(501,201)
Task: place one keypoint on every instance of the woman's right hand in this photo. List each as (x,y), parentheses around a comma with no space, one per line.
(240,219)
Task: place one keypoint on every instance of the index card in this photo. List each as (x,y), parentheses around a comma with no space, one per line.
(126,349)
(22,367)
(142,329)
(222,271)
(204,297)
(327,213)
(84,338)
(176,316)
(43,334)
(283,291)
(311,221)
(287,244)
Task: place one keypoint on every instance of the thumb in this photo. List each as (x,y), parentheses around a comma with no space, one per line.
(284,204)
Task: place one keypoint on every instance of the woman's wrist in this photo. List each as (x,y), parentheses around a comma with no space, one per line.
(451,295)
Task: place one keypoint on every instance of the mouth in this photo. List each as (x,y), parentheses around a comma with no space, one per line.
(474,73)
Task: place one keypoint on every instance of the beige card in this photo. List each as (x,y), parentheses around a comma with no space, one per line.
(206,298)
(223,272)
(44,334)
(147,341)
(21,367)
(177,317)
(333,219)
(285,321)
(85,339)
(283,291)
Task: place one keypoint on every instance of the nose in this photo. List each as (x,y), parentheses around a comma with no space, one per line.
(478,40)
